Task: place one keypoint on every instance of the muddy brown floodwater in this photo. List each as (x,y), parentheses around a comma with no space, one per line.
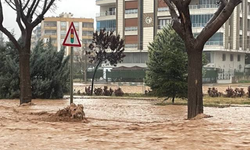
(122,124)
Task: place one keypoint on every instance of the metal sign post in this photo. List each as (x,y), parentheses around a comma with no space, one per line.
(71,40)
(71,74)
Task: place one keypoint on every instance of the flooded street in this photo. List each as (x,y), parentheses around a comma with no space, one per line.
(122,124)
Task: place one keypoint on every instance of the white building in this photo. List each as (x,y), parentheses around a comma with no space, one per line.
(138,21)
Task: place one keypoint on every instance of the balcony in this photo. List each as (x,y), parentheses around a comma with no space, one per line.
(105,2)
(108,15)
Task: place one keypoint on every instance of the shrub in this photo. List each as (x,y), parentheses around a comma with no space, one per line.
(119,92)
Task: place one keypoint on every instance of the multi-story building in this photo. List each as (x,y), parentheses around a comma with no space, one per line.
(56,29)
(138,21)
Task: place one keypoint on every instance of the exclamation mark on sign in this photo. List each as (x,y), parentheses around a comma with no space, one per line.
(72,36)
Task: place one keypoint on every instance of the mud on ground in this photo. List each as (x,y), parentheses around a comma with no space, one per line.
(121,124)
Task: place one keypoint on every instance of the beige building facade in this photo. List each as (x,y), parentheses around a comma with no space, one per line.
(138,21)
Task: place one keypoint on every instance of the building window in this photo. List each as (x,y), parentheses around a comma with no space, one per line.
(163,22)
(109,25)
(112,11)
(86,41)
(87,25)
(135,58)
(200,20)
(238,57)
(241,41)
(130,28)
(208,1)
(87,33)
(50,32)
(241,24)
(231,57)
(50,24)
(161,9)
(216,39)
(131,11)
(248,8)
(248,42)
(63,24)
(131,46)
(208,56)
(248,24)
(223,57)
(76,24)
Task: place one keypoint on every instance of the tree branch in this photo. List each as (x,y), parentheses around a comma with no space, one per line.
(30,8)
(186,2)
(5,31)
(41,15)
(26,5)
(10,3)
(211,28)
(223,3)
(19,15)
(34,9)
(44,6)
(175,20)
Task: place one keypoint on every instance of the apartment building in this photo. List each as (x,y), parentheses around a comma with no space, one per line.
(138,21)
(56,29)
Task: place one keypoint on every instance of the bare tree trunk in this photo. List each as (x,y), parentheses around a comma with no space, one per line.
(25,83)
(93,77)
(174,94)
(195,98)
(173,100)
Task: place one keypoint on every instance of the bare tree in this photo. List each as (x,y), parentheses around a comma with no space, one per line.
(181,22)
(29,13)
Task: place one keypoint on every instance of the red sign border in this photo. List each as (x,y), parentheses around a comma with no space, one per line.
(73,45)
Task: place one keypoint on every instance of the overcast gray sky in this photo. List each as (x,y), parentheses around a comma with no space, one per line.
(80,8)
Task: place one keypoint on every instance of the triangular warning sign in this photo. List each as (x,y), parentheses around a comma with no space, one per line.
(72,38)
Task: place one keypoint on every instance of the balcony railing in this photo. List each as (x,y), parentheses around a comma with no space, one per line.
(106,13)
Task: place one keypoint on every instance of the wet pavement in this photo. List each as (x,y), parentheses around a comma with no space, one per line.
(122,124)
